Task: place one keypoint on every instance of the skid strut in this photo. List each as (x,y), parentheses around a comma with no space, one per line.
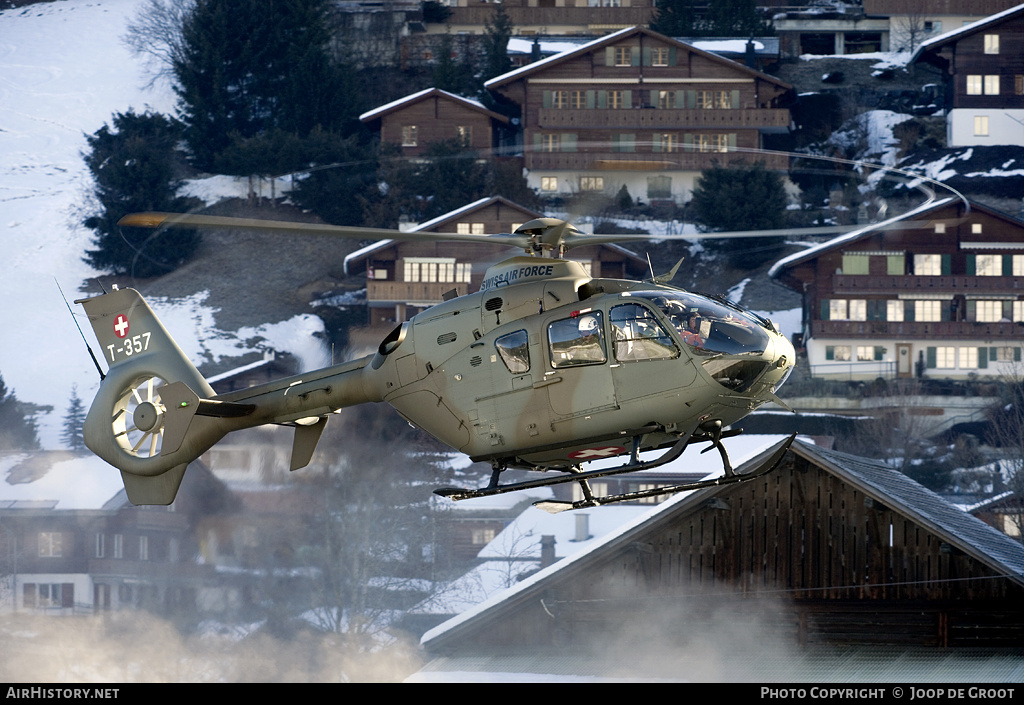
(575,474)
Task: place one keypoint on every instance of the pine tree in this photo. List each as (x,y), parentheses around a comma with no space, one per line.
(497,32)
(17,428)
(248,67)
(74,419)
(134,163)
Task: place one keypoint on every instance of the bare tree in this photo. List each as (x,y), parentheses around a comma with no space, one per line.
(909,31)
(154,34)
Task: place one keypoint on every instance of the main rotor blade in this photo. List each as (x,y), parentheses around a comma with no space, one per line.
(197,220)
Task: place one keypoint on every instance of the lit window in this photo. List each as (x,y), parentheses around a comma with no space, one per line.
(894,310)
(711,143)
(858,310)
(464,134)
(981,125)
(988,311)
(409,136)
(945,358)
(1018,265)
(928,311)
(976,228)
(968,358)
(469,228)
(837,310)
(549,183)
(991,43)
(974,84)
(927,265)
(591,183)
(988,265)
(992,85)
(481,537)
(865,353)
(839,353)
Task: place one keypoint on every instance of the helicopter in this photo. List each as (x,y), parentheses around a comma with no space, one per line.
(545,369)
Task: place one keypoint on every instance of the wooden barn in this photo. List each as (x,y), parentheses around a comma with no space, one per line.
(830,566)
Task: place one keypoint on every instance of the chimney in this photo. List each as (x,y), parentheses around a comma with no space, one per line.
(582,527)
(547,551)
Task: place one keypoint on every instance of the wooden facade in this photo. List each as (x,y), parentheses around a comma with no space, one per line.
(942,296)
(983,70)
(403,278)
(640,109)
(835,549)
(431,116)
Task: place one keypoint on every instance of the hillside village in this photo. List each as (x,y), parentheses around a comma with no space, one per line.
(866,557)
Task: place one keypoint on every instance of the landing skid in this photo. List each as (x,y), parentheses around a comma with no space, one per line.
(712,434)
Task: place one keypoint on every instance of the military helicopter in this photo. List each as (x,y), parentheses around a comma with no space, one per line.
(544,369)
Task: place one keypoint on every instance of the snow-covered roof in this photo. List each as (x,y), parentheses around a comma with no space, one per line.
(967,29)
(426,93)
(609,39)
(876,479)
(56,480)
(853,236)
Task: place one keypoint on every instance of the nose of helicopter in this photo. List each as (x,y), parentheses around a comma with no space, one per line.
(783,355)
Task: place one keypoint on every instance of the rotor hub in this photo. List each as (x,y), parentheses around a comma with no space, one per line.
(147,415)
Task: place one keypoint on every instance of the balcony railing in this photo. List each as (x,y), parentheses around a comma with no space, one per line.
(412,292)
(868,284)
(582,17)
(662,119)
(938,331)
(645,161)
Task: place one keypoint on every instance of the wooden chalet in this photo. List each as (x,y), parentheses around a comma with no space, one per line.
(639,109)
(432,115)
(936,292)
(403,278)
(983,68)
(831,566)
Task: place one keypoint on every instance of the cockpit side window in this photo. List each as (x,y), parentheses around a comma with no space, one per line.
(578,340)
(638,335)
(514,350)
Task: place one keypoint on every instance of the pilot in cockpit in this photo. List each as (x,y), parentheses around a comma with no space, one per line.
(691,333)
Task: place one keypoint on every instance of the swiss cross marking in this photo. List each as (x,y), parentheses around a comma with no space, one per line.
(593,453)
(121,325)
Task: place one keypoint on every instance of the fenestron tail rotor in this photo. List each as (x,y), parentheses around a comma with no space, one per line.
(137,419)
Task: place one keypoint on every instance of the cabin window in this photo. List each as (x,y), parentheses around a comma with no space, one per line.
(514,350)
(659,187)
(410,136)
(660,56)
(464,135)
(578,340)
(667,142)
(928,265)
(591,183)
(991,43)
(469,228)
(638,335)
(547,183)
(623,56)
(928,311)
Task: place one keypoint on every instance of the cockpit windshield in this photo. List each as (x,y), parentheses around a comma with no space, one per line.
(707,326)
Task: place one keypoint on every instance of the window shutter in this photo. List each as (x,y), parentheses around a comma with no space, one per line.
(609,56)
(656,143)
(547,99)
(627,99)
(732,140)
(691,99)
(634,56)
(647,56)
(735,100)
(568,142)
(536,142)
(672,56)
(1016,354)
(1007,265)
(602,99)
(879,352)
(971,268)
(946,265)
(688,143)
(825,309)
(983,358)
(930,358)
(830,352)
(908,311)
(591,99)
